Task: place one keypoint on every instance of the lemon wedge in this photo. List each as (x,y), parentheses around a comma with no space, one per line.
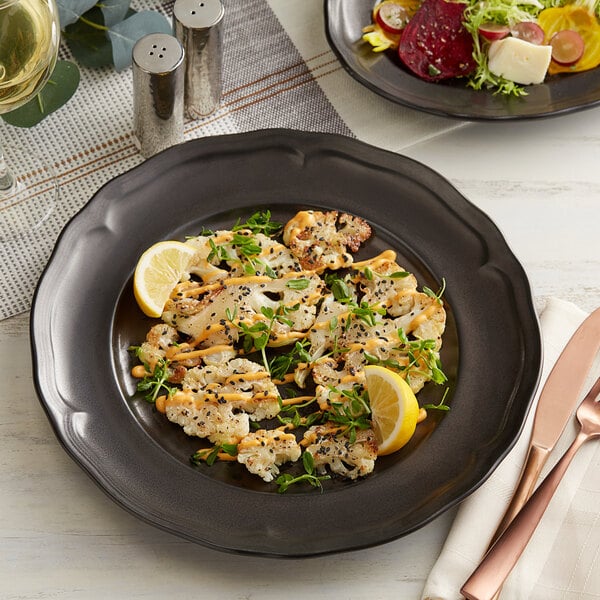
(394,408)
(158,271)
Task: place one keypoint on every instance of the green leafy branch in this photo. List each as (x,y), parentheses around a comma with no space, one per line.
(286,480)
(441,405)
(210,455)
(282,364)
(352,415)
(260,222)
(291,415)
(248,248)
(104,33)
(422,351)
(156,380)
(257,335)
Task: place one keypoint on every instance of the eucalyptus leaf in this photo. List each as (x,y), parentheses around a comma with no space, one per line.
(125,34)
(60,87)
(88,41)
(114,11)
(69,11)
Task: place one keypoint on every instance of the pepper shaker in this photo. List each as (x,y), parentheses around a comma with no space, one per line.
(158,92)
(198,28)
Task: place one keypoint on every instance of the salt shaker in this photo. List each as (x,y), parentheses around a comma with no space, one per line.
(198,28)
(158,92)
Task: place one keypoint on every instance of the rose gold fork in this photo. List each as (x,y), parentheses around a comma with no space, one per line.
(495,567)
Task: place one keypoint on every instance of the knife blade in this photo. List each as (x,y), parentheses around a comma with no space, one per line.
(556,404)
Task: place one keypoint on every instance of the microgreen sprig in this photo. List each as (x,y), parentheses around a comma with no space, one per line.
(285,480)
(441,405)
(248,248)
(290,415)
(366,313)
(155,382)
(260,222)
(437,296)
(422,351)
(282,364)
(257,335)
(362,311)
(210,455)
(352,415)
(370,274)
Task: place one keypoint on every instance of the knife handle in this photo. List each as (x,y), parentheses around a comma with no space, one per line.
(488,577)
(536,458)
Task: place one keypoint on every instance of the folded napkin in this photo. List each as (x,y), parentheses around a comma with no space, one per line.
(562,559)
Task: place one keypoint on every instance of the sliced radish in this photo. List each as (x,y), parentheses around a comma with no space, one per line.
(528,31)
(493,31)
(567,47)
(392,16)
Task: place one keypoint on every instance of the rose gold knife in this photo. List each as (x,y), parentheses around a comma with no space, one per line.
(555,406)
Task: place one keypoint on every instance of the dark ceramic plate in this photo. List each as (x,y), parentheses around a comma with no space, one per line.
(85,317)
(384,74)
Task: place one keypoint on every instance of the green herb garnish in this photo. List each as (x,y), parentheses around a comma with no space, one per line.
(286,480)
(260,222)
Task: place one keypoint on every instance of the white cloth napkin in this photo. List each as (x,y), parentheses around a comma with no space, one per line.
(562,559)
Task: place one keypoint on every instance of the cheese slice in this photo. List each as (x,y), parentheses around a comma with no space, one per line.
(518,60)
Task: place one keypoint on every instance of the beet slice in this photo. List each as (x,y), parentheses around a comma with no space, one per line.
(435,45)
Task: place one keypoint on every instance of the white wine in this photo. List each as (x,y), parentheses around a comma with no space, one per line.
(29,37)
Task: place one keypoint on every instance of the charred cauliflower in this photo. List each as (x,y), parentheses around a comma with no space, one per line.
(253,316)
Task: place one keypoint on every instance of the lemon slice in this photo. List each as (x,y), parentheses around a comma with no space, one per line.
(394,408)
(158,271)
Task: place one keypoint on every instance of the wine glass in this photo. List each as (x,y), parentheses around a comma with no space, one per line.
(29,41)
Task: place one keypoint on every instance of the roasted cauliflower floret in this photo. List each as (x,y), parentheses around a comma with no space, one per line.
(386,283)
(325,240)
(263,451)
(198,417)
(426,320)
(292,298)
(206,263)
(335,376)
(241,383)
(238,253)
(334,452)
(158,340)
(272,257)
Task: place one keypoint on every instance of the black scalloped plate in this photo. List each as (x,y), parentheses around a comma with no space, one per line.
(384,74)
(84,318)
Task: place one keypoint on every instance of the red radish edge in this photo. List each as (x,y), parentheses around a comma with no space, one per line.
(385,24)
(493,31)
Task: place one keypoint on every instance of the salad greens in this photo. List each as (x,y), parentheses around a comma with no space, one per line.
(506,12)
(423,47)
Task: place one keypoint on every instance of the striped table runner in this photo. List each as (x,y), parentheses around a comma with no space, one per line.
(278,71)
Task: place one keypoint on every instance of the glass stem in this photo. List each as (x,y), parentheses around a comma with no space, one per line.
(7,180)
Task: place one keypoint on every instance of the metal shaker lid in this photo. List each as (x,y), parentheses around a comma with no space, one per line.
(158,93)
(198,14)
(158,53)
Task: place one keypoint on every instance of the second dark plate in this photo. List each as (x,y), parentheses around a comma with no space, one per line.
(383,74)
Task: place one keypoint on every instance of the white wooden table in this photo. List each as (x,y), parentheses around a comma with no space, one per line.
(61,537)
